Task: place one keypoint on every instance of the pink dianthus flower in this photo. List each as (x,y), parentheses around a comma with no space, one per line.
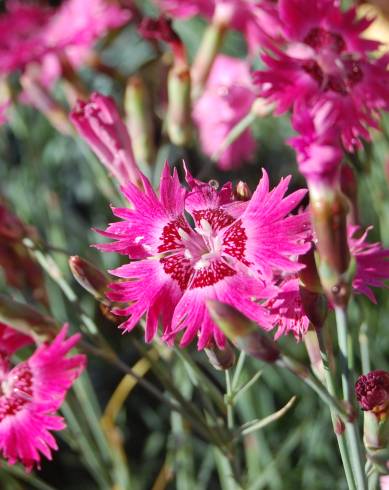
(32,33)
(372,263)
(326,61)
(31,393)
(227,251)
(227,98)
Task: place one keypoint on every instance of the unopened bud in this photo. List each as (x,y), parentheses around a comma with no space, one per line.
(27,320)
(221,359)
(179,122)
(329,212)
(243,333)
(89,277)
(315,306)
(139,119)
(242,191)
(309,276)
(349,186)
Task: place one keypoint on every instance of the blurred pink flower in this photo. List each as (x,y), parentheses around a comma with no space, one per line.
(32,33)
(372,263)
(287,311)
(317,146)
(257,20)
(326,62)
(32,391)
(99,123)
(384,482)
(227,99)
(229,254)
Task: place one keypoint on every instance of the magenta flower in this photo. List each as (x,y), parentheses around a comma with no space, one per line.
(326,61)
(318,151)
(258,20)
(227,98)
(31,33)
(384,481)
(229,254)
(372,263)
(31,393)
(287,311)
(99,123)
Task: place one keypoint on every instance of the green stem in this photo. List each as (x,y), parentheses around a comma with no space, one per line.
(351,427)
(229,401)
(238,370)
(330,383)
(364,348)
(234,134)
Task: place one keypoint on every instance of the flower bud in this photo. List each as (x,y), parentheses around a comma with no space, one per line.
(27,320)
(179,120)
(221,359)
(309,277)
(329,211)
(139,119)
(99,123)
(349,186)
(242,191)
(243,333)
(89,277)
(315,306)
(372,392)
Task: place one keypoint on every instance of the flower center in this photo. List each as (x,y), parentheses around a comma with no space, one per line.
(16,391)
(332,68)
(202,256)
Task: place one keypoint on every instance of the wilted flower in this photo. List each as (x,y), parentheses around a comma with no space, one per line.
(99,123)
(227,98)
(372,392)
(31,393)
(229,254)
(326,61)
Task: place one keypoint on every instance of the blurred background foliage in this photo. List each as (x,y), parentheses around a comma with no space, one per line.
(56,184)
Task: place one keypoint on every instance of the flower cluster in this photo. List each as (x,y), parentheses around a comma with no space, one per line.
(30,33)
(31,393)
(324,73)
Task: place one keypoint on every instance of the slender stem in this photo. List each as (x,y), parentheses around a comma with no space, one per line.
(229,400)
(238,370)
(330,383)
(364,347)
(351,427)
(234,134)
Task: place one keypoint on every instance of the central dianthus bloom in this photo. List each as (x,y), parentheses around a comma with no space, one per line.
(205,255)
(188,247)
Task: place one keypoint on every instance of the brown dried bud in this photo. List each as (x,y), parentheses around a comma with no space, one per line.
(372,392)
